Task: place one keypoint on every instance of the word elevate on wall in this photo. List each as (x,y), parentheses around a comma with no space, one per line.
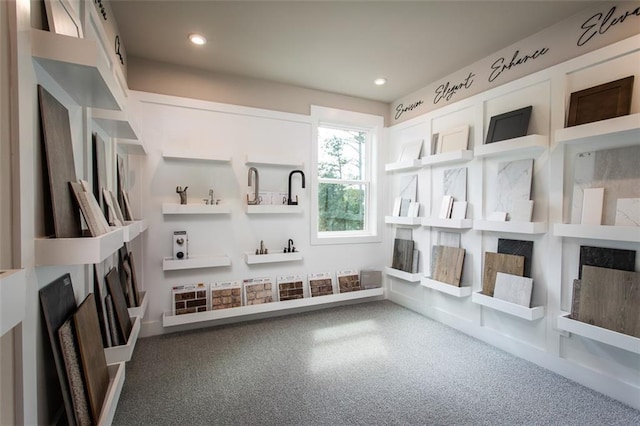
(600,23)
(101,8)
(401,109)
(446,91)
(498,67)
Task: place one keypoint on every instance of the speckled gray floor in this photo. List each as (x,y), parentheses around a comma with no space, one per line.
(369,364)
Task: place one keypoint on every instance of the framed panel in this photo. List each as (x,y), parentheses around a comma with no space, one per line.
(510,125)
(453,139)
(600,102)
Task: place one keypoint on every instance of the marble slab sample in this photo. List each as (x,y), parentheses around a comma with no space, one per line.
(320,284)
(409,187)
(454,183)
(348,281)
(628,212)
(514,184)
(522,211)
(603,257)
(189,299)
(448,263)
(226,294)
(459,210)
(518,247)
(290,288)
(609,298)
(258,291)
(514,289)
(592,202)
(499,262)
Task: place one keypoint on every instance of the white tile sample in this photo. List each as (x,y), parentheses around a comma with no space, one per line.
(454,183)
(410,151)
(514,289)
(414,209)
(459,210)
(396,206)
(445,207)
(449,239)
(592,206)
(453,139)
(404,207)
(498,216)
(628,212)
(514,184)
(409,187)
(584,167)
(522,211)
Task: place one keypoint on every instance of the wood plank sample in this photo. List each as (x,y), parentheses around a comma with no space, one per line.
(119,304)
(499,262)
(521,248)
(603,257)
(514,289)
(402,254)
(448,262)
(64,219)
(94,363)
(609,298)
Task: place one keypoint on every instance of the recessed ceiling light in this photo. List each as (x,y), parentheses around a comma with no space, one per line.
(197,39)
(379,81)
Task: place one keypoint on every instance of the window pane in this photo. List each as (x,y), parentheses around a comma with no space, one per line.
(341,207)
(341,153)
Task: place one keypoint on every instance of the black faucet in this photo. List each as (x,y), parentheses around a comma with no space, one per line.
(290,247)
(289,200)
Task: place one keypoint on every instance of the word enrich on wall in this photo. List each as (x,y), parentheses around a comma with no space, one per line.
(600,23)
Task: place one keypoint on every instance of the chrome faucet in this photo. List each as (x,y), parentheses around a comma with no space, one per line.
(256,197)
(289,200)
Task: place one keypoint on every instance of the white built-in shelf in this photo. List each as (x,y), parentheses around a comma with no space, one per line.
(513,227)
(78,251)
(264,160)
(615,132)
(405,276)
(436,222)
(446,288)
(175,208)
(78,66)
(131,147)
(116,381)
(529,314)
(273,209)
(403,220)
(194,156)
(195,262)
(250,258)
(403,166)
(132,229)
(117,124)
(445,158)
(598,232)
(122,353)
(599,334)
(140,311)
(531,145)
(13,290)
(169,320)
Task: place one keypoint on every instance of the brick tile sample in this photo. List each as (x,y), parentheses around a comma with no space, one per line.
(226,294)
(290,287)
(521,248)
(607,258)
(348,281)
(499,262)
(447,264)
(320,284)
(189,299)
(257,291)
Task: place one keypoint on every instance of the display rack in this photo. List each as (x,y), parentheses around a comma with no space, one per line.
(141,310)
(616,132)
(448,158)
(403,166)
(116,381)
(403,220)
(77,251)
(131,147)
(169,320)
(446,288)
(278,161)
(599,334)
(195,262)
(185,155)
(132,229)
(13,290)
(531,145)
(123,353)
(273,209)
(117,124)
(511,227)
(175,208)
(436,222)
(405,276)
(274,257)
(598,232)
(529,314)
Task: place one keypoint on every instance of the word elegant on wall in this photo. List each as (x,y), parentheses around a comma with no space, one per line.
(446,90)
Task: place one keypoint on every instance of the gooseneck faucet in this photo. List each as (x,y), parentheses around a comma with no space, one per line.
(256,197)
(290,247)
(289,200)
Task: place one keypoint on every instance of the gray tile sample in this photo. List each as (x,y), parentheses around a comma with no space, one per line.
(499,262)
(514,289)
(454,183)
(575,299)
(514,184)
(607,258)
(518,247)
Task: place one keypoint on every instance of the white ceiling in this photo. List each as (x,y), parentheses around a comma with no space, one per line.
(335,46)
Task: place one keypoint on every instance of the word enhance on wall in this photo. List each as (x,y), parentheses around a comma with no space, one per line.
(600,23)
(498,67)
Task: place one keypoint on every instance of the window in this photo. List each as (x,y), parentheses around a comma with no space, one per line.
(345,199)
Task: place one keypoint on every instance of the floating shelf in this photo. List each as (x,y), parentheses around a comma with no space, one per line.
(193,156)
(446,288)
(403,166)
(403,220)
(276,256)
(169,320)
(13,290)
(532,145)
(273,209)
(132,229)
(598,232)
(513,227)
(174,208)
(195,262)
(77,65)
(599,334)
(131,147)
(117,124)
(529,314)
(405,276)
(139,311)
(436,222)
(78,251)
(616,132)
(116,381)
(263,160)
(452,157)
(122,353)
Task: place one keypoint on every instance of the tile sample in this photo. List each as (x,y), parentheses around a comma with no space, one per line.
(584,165)
(445,207)
(454,183)
(69,347)
(189,299)
(522,248)
(575,299)
(258,291)
(226,294)
(404,207)
(609,298)
(499,262)
(409,187)
(290,287)
(514,184)
(498,217)
(348,281)
(448,262)
(415,261)
(522,211)
(459,210)
(592,201)
(402,254)
(410,151)
(320,284)
(119,304)
(100,182)
(449,239)
(114,329)
(514,289)
(628,212)
(606,258)
(370,279)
